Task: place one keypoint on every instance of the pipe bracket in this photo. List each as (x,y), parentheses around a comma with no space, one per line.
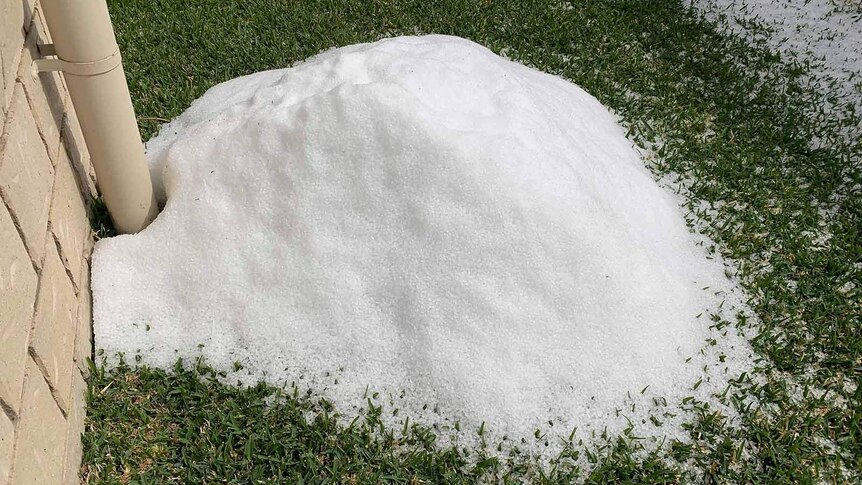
(46,49)
(93,68)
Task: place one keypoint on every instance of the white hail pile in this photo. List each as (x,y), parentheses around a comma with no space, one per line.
(473,239)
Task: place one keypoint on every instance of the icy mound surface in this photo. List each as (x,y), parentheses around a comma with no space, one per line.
(422,218)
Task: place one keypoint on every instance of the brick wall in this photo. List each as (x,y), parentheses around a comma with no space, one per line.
(45,240)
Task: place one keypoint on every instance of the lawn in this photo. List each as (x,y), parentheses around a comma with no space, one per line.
(768,172)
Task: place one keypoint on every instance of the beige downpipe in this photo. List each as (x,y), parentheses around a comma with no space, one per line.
(87,52)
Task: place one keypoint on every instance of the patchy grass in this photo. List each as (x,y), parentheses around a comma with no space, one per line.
(185,425)
(100,220)
(768,170)
(153,426)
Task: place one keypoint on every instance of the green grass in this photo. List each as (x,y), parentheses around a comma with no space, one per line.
(733,121)
(100,219)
